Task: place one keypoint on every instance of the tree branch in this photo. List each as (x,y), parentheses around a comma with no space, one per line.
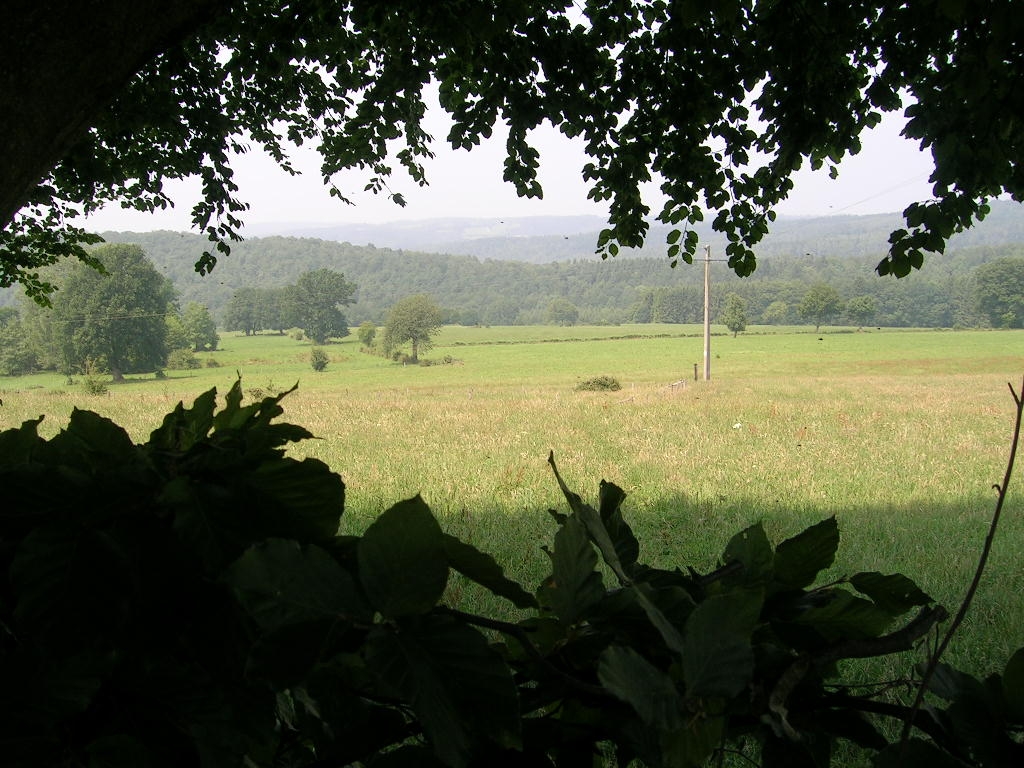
(933,662)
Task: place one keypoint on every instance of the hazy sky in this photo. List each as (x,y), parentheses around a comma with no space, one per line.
(888,174)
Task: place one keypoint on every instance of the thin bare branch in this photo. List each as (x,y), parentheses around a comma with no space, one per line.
(933,662)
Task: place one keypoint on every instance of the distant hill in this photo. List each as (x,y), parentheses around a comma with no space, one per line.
(541,240)
(437,235)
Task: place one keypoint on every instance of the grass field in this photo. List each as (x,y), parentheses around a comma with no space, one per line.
(900,434)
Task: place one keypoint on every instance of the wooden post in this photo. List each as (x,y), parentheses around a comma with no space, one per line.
(707,313)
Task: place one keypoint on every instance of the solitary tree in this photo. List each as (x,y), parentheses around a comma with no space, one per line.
(775,313)
(734,314)
(318,298)
(107,100)
(561,311)
(117,316)
(999,291)
(366,333)
(820,303)
(860,309)
(415,319)
(242,312)
(199,327)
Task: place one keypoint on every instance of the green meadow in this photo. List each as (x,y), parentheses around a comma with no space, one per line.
(900,434)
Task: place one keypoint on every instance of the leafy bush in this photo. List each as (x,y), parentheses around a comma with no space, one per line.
(92,381)
(212,363)
(599,384)
(183,359)
(318,359)
(189,601)
(366,333)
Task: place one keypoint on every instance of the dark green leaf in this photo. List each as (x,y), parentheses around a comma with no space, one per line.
(459,687)
(894,593)
(482,568)
(751,548)
(310,495)
(181,429)
(692,744)
(718,659)
(949,683)
(70,584)
(666,628)
(97,440)
(627,548)
(574,586)
(280,582)
(845,617)
(402,562)
(799,559)
(917,753)
(17,445)
(640,684)
(1013,686)
(593,523)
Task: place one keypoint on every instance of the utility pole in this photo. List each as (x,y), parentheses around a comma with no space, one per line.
(707,313)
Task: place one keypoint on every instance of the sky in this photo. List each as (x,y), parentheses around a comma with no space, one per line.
(888,174)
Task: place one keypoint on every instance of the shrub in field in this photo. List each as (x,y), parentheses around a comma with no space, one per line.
(189,601)
(93,381)
(182,359)
(366,333)
(318,359)
(599,384)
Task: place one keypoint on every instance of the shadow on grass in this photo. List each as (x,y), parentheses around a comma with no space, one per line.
(936,545)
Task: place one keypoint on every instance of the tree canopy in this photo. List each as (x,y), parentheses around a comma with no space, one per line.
(734,314)
(999,290)
(820,303)
(318,297)
(718,104)
(415,319)
(115,319)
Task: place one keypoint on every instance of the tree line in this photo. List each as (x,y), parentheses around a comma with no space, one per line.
(131,318)
(127,319)
(475,291)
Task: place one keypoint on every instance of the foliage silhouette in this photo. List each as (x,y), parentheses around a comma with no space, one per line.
(188,600)
(723,103)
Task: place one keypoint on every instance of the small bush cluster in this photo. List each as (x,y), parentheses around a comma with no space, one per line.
(93,382)
(318,359)
(599,384)
(183,359)
(94,385)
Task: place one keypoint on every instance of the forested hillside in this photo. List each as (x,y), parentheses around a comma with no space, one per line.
(508,292)
(505,288)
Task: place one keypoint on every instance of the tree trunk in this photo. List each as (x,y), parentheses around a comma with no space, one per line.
(62,62)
